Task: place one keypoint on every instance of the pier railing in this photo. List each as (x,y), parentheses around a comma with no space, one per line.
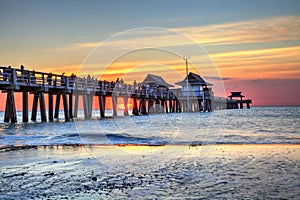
(145,98)
(11,78)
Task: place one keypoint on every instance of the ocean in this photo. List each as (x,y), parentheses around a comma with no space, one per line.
(258,125)
(227,154)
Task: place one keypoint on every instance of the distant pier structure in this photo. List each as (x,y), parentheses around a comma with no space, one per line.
(236,101)
(153,95)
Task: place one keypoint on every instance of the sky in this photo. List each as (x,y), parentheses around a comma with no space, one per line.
(251,46)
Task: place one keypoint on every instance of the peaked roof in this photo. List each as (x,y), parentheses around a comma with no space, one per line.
(236,94)
(194,79)
(154,79)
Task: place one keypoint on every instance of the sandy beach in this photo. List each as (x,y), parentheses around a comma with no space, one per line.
(148,172)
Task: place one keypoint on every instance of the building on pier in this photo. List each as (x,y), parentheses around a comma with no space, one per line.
(162,100)
(155,81)
(236,99)
(196,93)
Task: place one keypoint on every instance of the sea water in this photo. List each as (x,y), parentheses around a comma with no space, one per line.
(258,125)
(178,170)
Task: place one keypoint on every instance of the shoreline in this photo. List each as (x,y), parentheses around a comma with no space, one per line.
(4,148)
(170,171)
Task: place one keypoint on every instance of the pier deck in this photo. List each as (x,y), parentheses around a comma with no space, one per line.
(71,88)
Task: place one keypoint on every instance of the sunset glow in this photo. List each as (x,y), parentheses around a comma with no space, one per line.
(257,52)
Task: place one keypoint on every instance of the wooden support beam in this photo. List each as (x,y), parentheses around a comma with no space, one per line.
(150,106)
(102,100)
(162,108)
(178,106)
(143,107)
(114,104)
(241,105)
(135,110)
(199,104)
(85,106)
(57,103)
(66,109)
(50,107)
(76,105)
(248,105)
(13,107)
(7,110)
(71,106)
(42,107)
(34,106)
(166,106)
(125,106)
(157,106)
(25,106)
(10,108)
(90,105)
(171,105)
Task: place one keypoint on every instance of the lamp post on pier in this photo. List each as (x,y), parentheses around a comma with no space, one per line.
(186,58)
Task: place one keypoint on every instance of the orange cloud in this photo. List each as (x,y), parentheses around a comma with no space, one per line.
(265,63)
(263,30)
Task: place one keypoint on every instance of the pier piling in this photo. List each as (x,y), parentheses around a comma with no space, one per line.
(10,108)
(50,107)
(25,106)
(34,106)
(42,107)
(66,109)
(57,103)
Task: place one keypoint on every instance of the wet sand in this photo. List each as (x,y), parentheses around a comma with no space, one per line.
(148,172)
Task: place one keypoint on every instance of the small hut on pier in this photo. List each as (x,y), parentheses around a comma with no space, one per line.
(159,89)
(155,81)
(195,90)
(236,95)
(237,98)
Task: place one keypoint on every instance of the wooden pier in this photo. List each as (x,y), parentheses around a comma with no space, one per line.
(239,102)
(70,89)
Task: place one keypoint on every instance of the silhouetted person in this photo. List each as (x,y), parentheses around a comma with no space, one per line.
(7,73)
(32,77)
(63,79)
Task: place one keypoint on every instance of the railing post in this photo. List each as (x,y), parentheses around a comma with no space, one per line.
(43,78)
(67,82)
(14,77)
